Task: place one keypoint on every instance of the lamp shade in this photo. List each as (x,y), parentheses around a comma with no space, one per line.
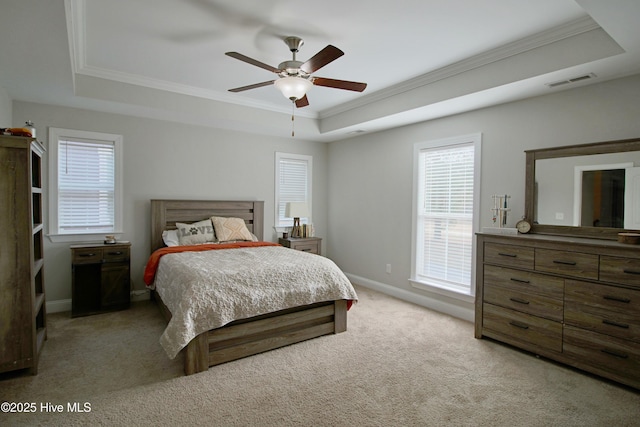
(293,88)
(296,210)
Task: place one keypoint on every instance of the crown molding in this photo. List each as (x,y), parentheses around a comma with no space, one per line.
(74,11)
(163,85)
(570,29)
(76,30)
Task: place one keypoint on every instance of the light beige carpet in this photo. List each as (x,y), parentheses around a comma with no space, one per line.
(397,365)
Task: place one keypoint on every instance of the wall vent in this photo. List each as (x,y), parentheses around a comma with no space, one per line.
(572,80)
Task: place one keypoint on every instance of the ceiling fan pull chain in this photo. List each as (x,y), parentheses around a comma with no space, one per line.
(293,111)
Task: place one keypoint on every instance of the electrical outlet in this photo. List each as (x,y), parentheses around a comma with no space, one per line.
(388,268)
(559,215)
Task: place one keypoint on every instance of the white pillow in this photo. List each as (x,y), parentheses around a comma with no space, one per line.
(230,229)
(170,237)
(198,232)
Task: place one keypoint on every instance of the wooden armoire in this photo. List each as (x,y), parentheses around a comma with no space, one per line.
(22,297)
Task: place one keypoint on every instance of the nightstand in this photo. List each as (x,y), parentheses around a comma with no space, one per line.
(100,278)
(305,244)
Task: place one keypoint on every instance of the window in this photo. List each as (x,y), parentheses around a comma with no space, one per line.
(85,185)
(293,184)
(445,213)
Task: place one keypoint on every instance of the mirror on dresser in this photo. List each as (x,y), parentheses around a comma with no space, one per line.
(586,190)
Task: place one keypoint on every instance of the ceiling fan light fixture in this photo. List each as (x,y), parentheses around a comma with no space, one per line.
(293,88)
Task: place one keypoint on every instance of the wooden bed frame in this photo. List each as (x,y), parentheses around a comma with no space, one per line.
(244,337)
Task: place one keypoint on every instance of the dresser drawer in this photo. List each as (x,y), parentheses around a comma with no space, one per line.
(620,270)
(520,328)
(532,293)
(606,309)
(115,254)
(509,255)
(612,357)
(87,256)
(574,264)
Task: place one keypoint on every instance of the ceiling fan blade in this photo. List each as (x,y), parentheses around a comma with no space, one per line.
(253,86)
(322,58)
(252,61)
(302,102)
(339,84)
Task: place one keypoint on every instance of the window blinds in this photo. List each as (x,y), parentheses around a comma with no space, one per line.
(446,215)
(86,186)
(292,184)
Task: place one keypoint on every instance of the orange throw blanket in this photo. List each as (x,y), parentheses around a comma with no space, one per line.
(154,259)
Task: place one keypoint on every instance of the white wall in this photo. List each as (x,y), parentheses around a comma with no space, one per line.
(362,186)
(6,113)
(166,160)
(370,176)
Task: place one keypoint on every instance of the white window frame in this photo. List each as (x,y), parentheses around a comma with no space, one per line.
(415,280)
(281,223)
(55,136)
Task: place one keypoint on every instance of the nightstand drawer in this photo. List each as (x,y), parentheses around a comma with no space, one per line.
(304,244)
(87,256)
(307,247)
(116,254)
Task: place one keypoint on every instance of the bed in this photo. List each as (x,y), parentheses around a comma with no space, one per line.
(244,336)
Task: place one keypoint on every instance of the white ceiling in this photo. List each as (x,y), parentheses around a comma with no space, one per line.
(421,59)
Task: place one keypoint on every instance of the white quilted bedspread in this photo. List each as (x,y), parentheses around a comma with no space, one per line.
(206,290)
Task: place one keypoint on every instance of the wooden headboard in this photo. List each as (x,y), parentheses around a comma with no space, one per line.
(165,214)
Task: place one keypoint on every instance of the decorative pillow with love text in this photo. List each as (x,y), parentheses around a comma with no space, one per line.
(198,232)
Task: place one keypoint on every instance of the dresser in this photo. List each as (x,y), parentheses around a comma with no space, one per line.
(23,320)
(100,278)
(306,244)
(573,300)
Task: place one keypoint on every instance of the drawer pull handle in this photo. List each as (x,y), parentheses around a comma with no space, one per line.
(615,353)
(626,270)
(87,255)
(305,250)
(619,299)
(612,323)
(116,253)
(518,325)
(555,261)
(519,280)
(509,255)
(519,300)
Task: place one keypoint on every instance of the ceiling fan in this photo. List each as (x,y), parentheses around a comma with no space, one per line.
(295,77)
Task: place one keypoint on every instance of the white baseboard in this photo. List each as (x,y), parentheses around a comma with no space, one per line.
(460,309)
(58,306)
(142,295)
(61,305)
